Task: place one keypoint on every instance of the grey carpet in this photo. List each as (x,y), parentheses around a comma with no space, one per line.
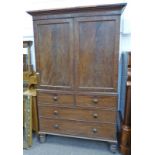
(56,145)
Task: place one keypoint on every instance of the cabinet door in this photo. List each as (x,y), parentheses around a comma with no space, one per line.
(97,47)
(54,53)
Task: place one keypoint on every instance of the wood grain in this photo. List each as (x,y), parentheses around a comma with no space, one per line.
(97,101)
(55,98)
(87,115)
(55,53)
(95,53)
(93,130)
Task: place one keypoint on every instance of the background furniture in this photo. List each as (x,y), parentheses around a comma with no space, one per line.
(126,126)
(30,79)
(77,54)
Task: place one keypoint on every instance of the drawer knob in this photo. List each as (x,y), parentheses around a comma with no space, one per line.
(56,126)
(55,112)
(55,98)
(95,115)
(94,130)
(95,100)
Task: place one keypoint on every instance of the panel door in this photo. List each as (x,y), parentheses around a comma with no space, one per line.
(97,47)
(54,53)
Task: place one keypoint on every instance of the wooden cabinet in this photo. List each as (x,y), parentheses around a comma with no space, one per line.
(77,54)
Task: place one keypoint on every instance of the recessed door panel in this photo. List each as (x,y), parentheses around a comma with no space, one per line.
(96,53)
(55,53)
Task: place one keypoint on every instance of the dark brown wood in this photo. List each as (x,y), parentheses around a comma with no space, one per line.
(55,98)
(104,10)
(126,140)
(77,128)
(82,114)
(95,101)
(77,54)
(126,126)
(55,53)
(96,63)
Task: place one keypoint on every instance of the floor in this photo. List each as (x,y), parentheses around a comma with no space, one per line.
(56,145)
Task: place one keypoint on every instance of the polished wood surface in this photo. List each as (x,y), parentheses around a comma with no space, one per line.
(77,128)
(55,53)
(55,98)
(77,54)
(91,115)
(92,101)
(95,39)
(96,101)
(109,9)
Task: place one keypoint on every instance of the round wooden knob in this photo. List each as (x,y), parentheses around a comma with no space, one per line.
(55,112)
(55,98)
(56,126)
(95,115)
(94,130)
(95,100)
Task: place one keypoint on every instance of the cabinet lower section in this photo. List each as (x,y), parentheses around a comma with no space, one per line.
(82,116)
(96,131)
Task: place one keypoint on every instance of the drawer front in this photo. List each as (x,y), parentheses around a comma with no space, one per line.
(78,114)
(97,101)
(54,98)
(92,130)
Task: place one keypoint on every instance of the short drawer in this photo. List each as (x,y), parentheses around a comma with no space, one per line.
(97,101)
(54,98)
(77,114)
(75,128)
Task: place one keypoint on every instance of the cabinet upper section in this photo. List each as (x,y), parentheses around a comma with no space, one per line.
(78,48)
(110,9)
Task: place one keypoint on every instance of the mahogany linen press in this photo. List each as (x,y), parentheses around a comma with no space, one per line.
(77,57)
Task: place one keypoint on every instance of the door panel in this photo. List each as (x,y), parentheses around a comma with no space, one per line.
(95,40)
(55,53)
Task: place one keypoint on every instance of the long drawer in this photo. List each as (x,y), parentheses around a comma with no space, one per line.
(97,101)
(55,98)
(77,128)
(92,115)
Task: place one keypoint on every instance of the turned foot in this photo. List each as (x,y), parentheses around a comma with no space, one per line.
(113,148)
(42,138)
